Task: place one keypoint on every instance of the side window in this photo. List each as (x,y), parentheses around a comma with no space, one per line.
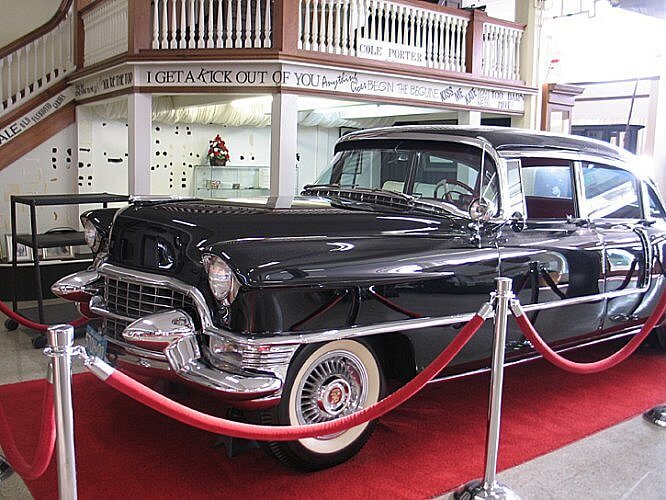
(549,188)
(455,177)
(656,209)
(611,193)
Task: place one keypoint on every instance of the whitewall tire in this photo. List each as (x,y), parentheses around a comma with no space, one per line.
(325,382)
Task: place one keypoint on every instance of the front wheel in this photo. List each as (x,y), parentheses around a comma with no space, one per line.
(325,382)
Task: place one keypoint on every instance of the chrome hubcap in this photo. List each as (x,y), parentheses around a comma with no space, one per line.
(334,385)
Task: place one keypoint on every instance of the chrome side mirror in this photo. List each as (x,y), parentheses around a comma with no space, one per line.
(481,210)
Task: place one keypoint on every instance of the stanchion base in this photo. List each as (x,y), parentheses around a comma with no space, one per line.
(475,490)
(656,416)
(5,469)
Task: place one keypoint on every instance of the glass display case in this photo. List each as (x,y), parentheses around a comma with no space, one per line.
(231,181)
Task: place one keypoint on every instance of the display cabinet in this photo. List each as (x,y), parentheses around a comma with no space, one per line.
(231,181)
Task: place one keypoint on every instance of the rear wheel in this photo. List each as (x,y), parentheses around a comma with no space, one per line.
(325,382)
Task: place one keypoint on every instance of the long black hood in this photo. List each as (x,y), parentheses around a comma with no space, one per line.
(257,240)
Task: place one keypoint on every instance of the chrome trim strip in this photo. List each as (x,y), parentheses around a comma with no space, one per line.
(536,356)
(285,338)
(581,300)
(138,351)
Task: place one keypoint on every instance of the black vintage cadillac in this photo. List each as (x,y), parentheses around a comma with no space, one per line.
(301,311)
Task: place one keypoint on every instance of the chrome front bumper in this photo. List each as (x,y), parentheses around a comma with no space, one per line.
(167,343)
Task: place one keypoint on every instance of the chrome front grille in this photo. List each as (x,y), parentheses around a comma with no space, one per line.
(134,301)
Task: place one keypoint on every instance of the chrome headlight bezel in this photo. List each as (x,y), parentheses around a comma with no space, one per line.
(91,234)
(221,279)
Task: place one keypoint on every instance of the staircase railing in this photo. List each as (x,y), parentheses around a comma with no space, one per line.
(38,60)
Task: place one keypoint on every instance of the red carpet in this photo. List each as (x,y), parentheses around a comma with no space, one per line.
(430,445)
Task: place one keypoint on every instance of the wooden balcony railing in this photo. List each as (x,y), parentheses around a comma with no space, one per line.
(405,31)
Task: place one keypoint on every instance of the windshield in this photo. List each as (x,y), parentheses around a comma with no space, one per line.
(449,173)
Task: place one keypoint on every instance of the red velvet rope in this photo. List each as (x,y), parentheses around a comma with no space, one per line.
(170,408)
(45,444)
(7,311)
(597,366)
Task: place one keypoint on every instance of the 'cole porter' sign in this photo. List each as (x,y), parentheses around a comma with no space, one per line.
(390,52)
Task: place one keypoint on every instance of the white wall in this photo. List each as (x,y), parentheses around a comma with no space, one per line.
(48,169)
(21,17)
(177,149)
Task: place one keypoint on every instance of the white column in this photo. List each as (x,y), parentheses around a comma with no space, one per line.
(655,146)
(139,116)
(284,125)
(472,118)
(527,13)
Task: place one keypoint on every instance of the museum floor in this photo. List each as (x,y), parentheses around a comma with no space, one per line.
(622,462)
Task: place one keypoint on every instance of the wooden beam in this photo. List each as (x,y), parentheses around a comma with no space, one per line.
(39,133)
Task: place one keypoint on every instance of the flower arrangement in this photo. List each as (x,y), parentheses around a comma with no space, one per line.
(218,154)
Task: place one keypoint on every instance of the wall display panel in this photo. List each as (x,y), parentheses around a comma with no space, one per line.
(177,150)
(103,159)
(50,168)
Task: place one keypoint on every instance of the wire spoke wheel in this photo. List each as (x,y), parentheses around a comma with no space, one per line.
(326,382)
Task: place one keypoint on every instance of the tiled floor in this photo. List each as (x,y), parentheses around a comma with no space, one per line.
(624,462)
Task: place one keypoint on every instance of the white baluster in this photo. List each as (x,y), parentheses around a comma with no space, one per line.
(201,23)
(248,25)
(439,40)
(268,33)
(190,25)
(210,37)
(461,42)
(218,26)
(345,27)
(516,66)
(10,87)
(19,74)
(182,43)
(394,23)
(386,15)
(323,43)
(315,25)
(28,82)
(505,56)
(35,62)
(432,51)
(329,25)
(306,25)
(228,40)
(238,38)
(463,55)
(371,32)
(257,23)
(164,42)
(338,27)
(156,20)
(173,26)
(416,27)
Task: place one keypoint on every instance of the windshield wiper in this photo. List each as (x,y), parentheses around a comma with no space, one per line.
(374,196)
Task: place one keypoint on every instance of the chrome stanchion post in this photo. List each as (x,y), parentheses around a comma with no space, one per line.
(60,340)
(488,487)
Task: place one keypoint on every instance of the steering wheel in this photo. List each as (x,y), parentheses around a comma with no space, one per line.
(463,189)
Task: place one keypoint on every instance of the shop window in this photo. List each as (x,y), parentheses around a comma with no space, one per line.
(611,193)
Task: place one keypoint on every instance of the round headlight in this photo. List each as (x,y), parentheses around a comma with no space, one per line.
(221,279)
(91,235)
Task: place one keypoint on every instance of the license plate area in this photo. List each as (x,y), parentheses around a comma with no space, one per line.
(96,344)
